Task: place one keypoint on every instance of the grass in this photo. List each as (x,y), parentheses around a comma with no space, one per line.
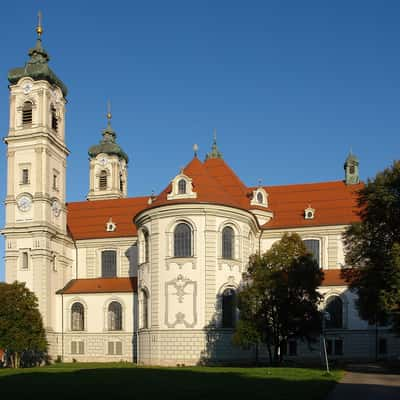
(123,380)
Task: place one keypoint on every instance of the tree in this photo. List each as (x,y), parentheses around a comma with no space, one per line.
(373,249)
(279,298)
(21,326)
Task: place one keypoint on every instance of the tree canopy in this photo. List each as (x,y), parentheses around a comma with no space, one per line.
(373,249)
(279,298)
(21,327)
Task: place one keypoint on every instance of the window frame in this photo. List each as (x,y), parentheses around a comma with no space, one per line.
(183,246)
(103,266)
(27,113)
(81,323)
(228,321)
(103,179)
(319,241)
(115,324)
(225,254)
(182,186)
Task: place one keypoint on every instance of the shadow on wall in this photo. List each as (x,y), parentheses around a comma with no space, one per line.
(219,348)
(132,255)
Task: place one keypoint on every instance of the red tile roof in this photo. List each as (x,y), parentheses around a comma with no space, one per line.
(335,203)
(208,188)
(87,219)
(333,277)
(100,285)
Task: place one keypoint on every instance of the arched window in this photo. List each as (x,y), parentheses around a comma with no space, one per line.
(228,242)
(109,264)
(182,241)
(146,246)
(228,308)
(114,316)
(313,248)
(54,119)
(182,186)
(260,198)
(77,317)
(103,180)
(27,113)
(145,310)
(334,306)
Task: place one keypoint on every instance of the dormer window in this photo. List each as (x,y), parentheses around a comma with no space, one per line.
(260,197)
(309,213)
(111,226)
(54,120)
(27,113)
(182,186)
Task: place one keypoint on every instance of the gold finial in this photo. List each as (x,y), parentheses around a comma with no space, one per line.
(39,29)
(109,115)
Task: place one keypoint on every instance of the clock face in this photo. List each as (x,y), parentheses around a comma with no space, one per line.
(24,203)
(27,87)
(103,161)
(56,207)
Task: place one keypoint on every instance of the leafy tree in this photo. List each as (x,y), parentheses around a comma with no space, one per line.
(373,249)
(279,298)
(21,326)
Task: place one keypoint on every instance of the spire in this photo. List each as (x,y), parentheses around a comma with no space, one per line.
(37,66)
(214,153)
(351,168)
(108,144)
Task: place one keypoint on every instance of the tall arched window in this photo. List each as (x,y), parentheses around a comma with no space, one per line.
(109,264)
(114,316)
(228,308)
(145,309)
(103,180)
(228,242)
(313,248)
(182,186)
(54,120)
(334,306)
(260,198)
(77,317)
(182,240)
(27,113)
(146,246)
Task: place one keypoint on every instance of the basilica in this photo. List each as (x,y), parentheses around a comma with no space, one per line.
(153,279)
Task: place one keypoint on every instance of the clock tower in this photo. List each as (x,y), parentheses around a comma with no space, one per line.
(108,167)
(37,247)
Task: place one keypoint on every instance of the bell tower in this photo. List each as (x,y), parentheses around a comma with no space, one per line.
(351,172)
(35,224)
(108,167)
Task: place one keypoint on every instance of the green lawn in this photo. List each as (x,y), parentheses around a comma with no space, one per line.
(116,381)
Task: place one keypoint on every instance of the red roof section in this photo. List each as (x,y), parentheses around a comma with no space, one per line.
(335,203)
(100,285)
(208,188)
(333,277)
(87,219)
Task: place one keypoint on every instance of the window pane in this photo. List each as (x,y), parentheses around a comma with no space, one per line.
(77,317)
(114,316)
(103,180)
(227,242)
(109,264)
(182,241)
(228,308)
(313,248)
(118,348)
(81,347)
(25,176)
(182,186)
(334,306)
(25,260)
(110,347)
(145,312)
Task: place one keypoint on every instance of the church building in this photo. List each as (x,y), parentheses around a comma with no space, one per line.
(153,279)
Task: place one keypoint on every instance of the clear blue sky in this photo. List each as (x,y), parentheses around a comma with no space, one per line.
(290,86)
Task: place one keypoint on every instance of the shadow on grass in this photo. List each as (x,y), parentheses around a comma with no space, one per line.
(155,383)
